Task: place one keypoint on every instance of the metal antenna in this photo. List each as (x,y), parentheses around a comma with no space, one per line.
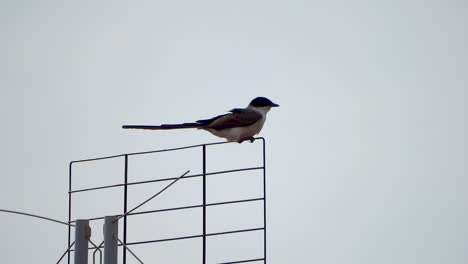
(112,241)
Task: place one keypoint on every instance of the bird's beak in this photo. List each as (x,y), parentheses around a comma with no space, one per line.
(274,105)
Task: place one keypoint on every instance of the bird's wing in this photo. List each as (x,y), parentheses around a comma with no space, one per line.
(237,118)
(209,121)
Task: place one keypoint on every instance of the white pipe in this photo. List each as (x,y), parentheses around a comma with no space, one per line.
(82,235)
(111,232)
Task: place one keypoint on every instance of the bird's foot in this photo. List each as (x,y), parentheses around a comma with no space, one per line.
(251,139)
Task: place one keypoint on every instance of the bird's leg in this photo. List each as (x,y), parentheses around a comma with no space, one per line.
(251,139)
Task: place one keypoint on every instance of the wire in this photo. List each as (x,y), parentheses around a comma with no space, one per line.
(37,216)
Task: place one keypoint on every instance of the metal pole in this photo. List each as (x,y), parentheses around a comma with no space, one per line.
(111,232)
(69,207)
(82,235)
(264,206)
(204,204)
(125,209)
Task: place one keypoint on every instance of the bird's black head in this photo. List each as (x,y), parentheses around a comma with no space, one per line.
(262,102)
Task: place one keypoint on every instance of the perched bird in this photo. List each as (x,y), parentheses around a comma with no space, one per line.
(238,125)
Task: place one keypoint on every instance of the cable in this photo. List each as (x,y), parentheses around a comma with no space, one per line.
(37,216)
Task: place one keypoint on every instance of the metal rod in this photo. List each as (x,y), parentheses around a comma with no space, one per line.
(196,206)
(236,231)
(164,240)
(125,208)
(264,205)
(149,199)
(98,188)
(82,235)
(64,253)
(165,179)
(204,204)
(198,175)
(69,207)
(243,261)
(196,236)
(184,207)
(97,248)
(131,252)
(155,151)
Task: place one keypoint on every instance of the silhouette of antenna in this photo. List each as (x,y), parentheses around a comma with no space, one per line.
(112,240)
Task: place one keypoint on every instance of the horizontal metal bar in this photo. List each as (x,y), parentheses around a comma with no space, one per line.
(237,201)
(243,261)
(91,219)
(198,175)
(155,151)
(165,179)
(146,242)
(163,240)
(167,209)
(236,231)
(98,188)
(195,236)
(197,206)
(186,237)
(186,207)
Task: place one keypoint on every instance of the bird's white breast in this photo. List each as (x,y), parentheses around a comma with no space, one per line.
(237,134)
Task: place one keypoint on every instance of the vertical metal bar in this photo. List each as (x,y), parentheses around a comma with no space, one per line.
(125,210)
(82,235)
(264,206)
(69,208)
(204,204)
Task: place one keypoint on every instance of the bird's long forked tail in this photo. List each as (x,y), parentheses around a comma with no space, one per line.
(164,126)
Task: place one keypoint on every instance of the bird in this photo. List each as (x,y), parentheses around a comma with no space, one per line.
(238,125)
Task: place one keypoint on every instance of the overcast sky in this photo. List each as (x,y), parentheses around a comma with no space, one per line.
(366,155)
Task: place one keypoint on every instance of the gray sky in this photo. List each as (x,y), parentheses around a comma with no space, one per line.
(366,155)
